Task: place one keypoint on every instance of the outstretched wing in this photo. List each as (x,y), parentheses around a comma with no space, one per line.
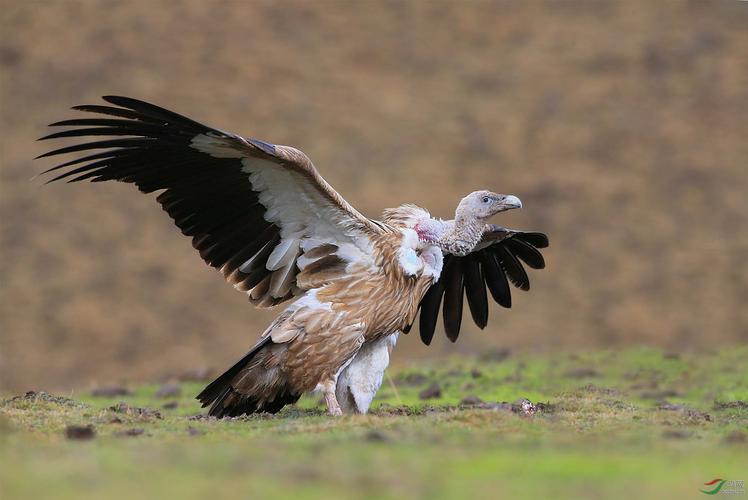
(258,212)
(495,262)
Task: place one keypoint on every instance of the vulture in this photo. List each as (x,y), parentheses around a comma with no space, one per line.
(263,216)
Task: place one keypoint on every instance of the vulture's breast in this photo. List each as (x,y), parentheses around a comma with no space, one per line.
(384,298)
(412,269)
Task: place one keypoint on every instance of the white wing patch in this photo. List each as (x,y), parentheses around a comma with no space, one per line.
(282,280)
(306,217)
(284,253)
(311,301)
(306,220)
(215,146)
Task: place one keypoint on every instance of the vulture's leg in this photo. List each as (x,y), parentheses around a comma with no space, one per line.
(359,382)
(328,388)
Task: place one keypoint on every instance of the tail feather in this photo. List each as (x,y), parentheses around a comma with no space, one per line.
(232,404)
(219,385)
(226,400)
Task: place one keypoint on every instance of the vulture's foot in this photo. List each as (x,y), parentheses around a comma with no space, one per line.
(335,410)
(333,407)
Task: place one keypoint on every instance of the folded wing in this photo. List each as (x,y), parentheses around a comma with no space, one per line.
(258,212)
(496,261)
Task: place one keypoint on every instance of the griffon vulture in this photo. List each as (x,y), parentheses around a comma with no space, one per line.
(262,215)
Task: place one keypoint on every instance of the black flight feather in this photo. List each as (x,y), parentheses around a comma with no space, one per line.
(468,276)
(209,198)
(526,252)
(430,311)
(454,285)
(512,267)
(475,290)
(496,279)
(538,240)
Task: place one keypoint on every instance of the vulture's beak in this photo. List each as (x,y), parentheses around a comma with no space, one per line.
(510,202)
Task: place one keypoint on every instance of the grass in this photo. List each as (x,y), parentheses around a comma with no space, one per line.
(615,424)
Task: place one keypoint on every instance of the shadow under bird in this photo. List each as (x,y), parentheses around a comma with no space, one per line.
(263,216)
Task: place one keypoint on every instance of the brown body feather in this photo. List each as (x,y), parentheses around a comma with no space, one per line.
(309,344)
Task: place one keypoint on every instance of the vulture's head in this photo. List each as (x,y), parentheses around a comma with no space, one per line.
(460,236)
(482,205)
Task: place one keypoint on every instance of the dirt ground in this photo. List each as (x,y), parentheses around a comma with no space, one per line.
(621,125)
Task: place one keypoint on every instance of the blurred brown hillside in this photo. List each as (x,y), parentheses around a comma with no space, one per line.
(622,126)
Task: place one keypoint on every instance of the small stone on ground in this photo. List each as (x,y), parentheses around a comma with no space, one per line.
(169,391)
(471,400)
(80,432)
(130,432)
(108,391)
(431,392)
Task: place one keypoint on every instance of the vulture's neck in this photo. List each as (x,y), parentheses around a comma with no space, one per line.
(458,237)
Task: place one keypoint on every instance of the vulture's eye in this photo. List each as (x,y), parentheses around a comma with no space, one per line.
(486,199)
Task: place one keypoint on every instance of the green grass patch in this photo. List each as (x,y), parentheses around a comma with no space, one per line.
(615,424)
